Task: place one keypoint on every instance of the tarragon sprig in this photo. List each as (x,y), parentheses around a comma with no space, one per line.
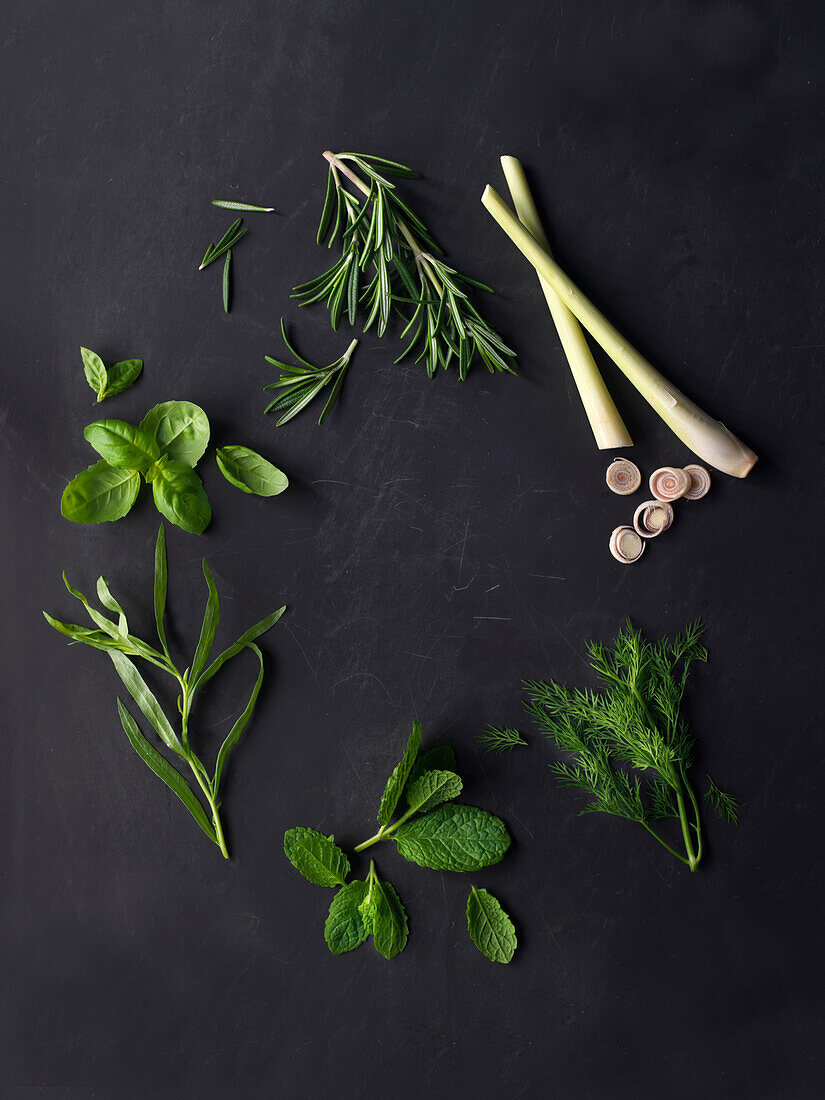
(388,263)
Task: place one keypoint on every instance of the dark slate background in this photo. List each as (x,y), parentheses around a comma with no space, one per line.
(439,542)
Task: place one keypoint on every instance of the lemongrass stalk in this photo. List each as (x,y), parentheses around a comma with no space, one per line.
(605,422)
(706,437)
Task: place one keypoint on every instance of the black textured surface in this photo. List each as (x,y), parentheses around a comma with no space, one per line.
(439,542)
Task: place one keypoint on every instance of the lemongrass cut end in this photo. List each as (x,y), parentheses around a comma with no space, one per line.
(652,517)
(699,481)
(626,545)
(669,483)
(623,477)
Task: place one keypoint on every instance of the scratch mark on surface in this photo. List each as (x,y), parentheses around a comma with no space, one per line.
(463,548)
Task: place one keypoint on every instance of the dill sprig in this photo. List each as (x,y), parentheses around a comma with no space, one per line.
(300,383)
(630,745)
(388,264)
(500,739)
(725,804)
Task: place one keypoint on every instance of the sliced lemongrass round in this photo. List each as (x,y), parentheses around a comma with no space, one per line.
(626,545)
(699,481)
(669,483)
(623,477)
(652,517)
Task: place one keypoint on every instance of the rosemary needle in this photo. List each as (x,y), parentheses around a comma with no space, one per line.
(227,241)
(226,266)
(228,205)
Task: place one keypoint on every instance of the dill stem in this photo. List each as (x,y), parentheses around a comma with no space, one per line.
(664,844)
(693,858)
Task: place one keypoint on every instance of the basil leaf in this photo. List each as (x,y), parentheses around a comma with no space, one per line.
(121,376)
(346,926)
(254,632)
(94,370)
(440,758)
(164,770)
(179,495)
(211,618)
(247,471)
(180,428)
(454,837)
(389,920)
(491,930)
(100,494)
(234,734)
(432,788)
(161,577)
(152,710)
(316,856)
(122,445)
(396,782)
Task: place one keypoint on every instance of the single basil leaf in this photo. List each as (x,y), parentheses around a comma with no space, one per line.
(247,471)
(121,376)
(180,496)
(389,920)
(161,576)
(440,759)
(396,782)
(151,708)
(164,770)
(491,930)
(240,725)
(211,618)
(316,856)
(454,837)
(180,428)
(122,445)
(100,494)
(431,789)
(254,632)
(94,370)
(346,927)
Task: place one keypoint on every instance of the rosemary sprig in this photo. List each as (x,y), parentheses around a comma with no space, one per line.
(388,264)
(299,384)
(227,241)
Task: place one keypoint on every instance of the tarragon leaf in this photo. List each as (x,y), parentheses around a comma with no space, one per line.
(491,930)
(454,837)
(249,636)
(211,618)
(431,789)
(240,725)
(317,857)
(397,781)
(346,926)
(161,578)
(139,690)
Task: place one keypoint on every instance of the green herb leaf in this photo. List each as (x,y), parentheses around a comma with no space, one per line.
(151,708)
(249,472)
(110,603)
(100,494)
(346,926)
(382,909)
(254,632)
(240,725)
(121,376)
(440,758)
(227,241)
(491,930)
(180,428)
(179,495)
(400,774)
(164,770)
(225,281)
(231,205)
(211,618)
(725,804)
(161,576)
(431,789)
(94,370)
(316,856)
(454,837)
(122,445)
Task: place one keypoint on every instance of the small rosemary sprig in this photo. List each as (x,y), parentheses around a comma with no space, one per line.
(388,264)
(227,241)
(300,384)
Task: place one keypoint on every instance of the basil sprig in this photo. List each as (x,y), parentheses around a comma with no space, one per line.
(108,381)
(112,636)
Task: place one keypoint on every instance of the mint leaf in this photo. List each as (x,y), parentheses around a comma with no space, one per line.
(454,837)
(491,930)
(385,915)
(439,758)
(396,782)
(346,926)
(316,856)
(431,789)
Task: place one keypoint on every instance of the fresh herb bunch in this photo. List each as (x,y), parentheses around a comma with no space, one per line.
(165,448)
(388,264)
(299,384)
(632,726)
(109,381)
(433,831)
(113,637)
